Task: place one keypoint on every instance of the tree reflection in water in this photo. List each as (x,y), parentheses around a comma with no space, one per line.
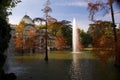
(104,56)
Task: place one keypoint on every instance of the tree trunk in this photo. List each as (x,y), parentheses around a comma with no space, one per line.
(117,54)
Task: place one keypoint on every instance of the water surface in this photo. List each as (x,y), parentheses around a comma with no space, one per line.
(62,65)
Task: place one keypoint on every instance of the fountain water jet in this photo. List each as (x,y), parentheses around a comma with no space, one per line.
(75,37)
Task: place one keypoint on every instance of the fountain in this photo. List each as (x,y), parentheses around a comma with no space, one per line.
(75,37)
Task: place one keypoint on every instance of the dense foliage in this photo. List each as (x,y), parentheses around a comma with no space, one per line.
(102,35)
(85,38)
(4,35)
(67,33)
(25,38)
(6,7)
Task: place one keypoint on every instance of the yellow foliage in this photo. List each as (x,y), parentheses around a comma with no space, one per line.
(20,26)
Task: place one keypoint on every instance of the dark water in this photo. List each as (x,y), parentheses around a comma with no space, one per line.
(61,66)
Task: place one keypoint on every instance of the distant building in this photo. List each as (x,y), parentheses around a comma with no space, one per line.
(33,39)
(27,20)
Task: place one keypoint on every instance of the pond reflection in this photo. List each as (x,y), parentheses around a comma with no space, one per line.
(75,69)
(80,69)
(104,56)
(61,66)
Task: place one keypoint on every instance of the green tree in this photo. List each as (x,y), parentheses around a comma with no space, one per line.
(55,28)
(62,31)
(67,33)
(85,38)
(4,35)
(5,7)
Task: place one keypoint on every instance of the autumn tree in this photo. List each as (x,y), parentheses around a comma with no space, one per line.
(100,5)
(19,36)
(67,33)
(102,34)
(33,39)
(26,38)
(62,31)
(60,42)
(97,6)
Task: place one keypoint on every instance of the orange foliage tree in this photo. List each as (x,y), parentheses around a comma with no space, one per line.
(60,42)
(18,36)
(102,35)
(32,39)
(25,37)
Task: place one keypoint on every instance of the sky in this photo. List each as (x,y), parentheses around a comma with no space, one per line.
(61,10)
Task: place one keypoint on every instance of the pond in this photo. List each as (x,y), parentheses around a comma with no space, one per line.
(62,65)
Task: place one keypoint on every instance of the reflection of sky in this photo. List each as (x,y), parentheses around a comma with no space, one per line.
(61,10)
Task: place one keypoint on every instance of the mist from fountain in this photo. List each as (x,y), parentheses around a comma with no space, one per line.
(75,37)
